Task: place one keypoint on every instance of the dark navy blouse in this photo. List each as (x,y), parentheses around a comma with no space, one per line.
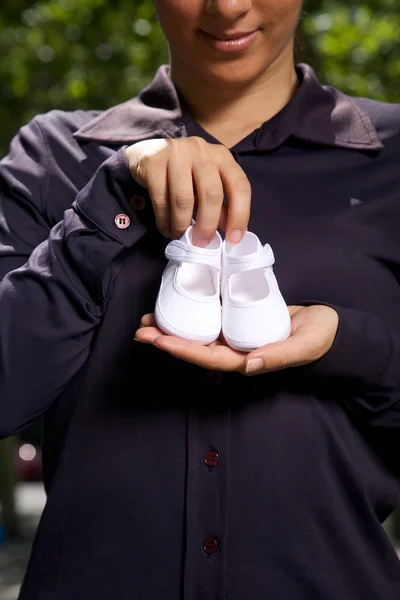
(166,481)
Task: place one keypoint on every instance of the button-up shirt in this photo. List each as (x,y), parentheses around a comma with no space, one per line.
(165,480)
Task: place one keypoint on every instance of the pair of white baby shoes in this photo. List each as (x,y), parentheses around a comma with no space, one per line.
(195,280)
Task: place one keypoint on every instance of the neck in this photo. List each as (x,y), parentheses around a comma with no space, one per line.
(229,112)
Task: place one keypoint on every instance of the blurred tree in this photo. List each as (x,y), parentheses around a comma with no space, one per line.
(73,54)
(94,53)
(356,45)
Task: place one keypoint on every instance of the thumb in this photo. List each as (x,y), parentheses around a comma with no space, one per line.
(295,351)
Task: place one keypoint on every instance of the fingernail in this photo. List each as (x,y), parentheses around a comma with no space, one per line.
(166,234)
(236,236)
(201,243)
(254,364)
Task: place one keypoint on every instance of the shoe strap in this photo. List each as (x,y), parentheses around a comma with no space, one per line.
(179,251)
(237,264)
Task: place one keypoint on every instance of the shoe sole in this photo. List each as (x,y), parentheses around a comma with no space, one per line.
(250,346)
(167,328)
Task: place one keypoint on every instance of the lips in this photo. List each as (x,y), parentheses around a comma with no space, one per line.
(234,35)
(229,41)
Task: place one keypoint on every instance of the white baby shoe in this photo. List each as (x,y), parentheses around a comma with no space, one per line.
(188,303)
(254,312)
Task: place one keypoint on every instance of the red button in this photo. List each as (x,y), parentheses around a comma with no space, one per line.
(210,545)
(211,458)
(138,202)
(214,377)
(122,221)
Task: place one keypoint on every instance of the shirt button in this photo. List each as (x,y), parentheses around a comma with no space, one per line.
(138,202)
(211,458)
(214,377)
(122,221)
(210,545)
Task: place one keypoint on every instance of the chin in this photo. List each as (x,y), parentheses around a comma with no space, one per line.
(234,73)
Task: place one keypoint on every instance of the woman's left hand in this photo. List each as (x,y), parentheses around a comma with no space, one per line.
(313,332)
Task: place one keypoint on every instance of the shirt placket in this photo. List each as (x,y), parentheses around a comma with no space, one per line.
(207,493)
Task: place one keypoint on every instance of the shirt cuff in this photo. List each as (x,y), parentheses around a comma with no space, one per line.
(114,202)
(361,355)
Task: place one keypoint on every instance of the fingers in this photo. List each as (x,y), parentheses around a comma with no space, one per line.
(147,335)
(210,196)
(218,171)
(148,320)
(216,357)
(297,350)
(184,173)
(313,332)
(197,175)
(277,356)
(159,196)
(181,193)
(238,190)
(223,218)
(148,161)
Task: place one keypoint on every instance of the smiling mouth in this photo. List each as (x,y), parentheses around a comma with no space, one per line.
(230,42)
(227,37)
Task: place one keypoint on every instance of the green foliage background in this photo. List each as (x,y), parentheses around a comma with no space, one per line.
(95,53)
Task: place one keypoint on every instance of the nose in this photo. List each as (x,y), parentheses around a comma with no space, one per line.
(228,9)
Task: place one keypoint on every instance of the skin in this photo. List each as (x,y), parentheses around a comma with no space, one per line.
(313,333)
(230,95)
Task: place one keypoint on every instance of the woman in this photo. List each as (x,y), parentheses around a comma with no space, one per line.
(169,473)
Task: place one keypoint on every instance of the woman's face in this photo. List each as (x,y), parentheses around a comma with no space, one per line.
(189,24)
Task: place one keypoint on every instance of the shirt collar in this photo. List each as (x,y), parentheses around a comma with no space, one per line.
(316,114)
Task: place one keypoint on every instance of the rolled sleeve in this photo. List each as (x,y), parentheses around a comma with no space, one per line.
(56,266)
(107,196)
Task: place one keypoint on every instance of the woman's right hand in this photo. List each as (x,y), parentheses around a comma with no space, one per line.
(185,174)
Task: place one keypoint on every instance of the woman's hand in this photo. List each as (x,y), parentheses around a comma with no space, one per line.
(313,332)
(178,171)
